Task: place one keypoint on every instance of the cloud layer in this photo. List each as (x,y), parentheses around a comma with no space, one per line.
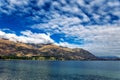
(89,12)
(28,37)
(93,25)
(99,40)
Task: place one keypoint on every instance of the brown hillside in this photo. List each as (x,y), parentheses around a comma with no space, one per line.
(8,48)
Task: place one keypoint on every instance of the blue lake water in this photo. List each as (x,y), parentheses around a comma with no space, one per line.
(59,70)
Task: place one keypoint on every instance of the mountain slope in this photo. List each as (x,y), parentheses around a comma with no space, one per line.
(10,48)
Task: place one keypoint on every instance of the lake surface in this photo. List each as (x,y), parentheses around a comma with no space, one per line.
(59,70)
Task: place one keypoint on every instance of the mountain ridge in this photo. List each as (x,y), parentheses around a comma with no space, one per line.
(9,48)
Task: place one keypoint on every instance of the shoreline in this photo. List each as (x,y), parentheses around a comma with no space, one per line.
(53,60)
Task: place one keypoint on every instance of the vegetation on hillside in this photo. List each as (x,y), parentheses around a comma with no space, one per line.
(17,50)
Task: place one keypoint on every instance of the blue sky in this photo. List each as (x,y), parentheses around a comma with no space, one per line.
(92,25)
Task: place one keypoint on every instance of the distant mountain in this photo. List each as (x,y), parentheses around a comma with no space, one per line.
(108,58)
(10,49)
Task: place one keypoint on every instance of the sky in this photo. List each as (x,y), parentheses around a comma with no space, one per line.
(93,25)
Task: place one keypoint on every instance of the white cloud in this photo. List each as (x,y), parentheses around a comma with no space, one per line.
(97,39)
(72,8)
(2,34)
(28,37)
(38,37)
(10,6)
(18,2)
(57,24)
(66,44)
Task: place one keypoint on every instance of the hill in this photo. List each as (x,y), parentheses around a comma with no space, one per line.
(17,50)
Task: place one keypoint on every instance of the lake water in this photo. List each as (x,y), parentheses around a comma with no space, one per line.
(59,70)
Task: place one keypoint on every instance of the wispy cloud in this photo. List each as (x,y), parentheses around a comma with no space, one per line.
(89,12)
